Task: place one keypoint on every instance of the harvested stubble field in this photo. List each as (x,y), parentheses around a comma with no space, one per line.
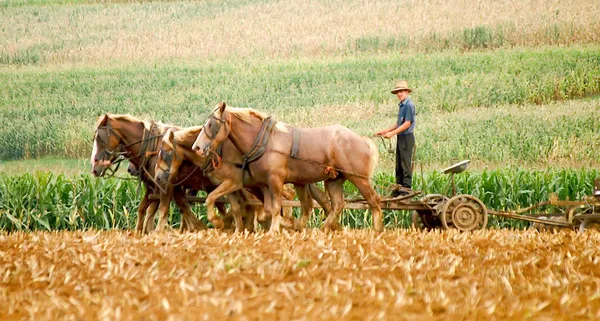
(350,275)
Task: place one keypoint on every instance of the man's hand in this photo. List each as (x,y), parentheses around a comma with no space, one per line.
(388,135)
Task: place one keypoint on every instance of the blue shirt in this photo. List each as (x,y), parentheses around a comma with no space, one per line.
(406,112)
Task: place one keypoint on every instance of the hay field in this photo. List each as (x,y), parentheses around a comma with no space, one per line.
(350,275)
(95,33)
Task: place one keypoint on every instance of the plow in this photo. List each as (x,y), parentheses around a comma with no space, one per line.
(466,212)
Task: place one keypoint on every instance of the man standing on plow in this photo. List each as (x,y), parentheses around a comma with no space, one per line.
(403,129)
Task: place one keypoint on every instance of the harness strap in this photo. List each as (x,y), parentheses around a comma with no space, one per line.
(295,143)
(209,166)
(260,143)
(144,159)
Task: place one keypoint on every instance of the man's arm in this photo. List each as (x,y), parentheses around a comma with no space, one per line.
(408,116)
(387,130)
(398,130)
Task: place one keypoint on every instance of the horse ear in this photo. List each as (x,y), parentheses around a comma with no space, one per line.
(222,107)
(102,120)
(171,135)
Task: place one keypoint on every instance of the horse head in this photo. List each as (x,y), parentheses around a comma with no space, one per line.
(214,132)
(108,146)
(119,137)
(176,147)
(169,159)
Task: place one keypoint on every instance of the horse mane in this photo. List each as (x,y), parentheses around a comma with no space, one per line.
(247,114)
(180,134)
(129,118)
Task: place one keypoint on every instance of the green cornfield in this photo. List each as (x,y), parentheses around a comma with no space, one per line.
(45,201)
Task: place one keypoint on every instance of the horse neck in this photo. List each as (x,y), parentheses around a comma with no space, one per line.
(243,134)
(184,146)
(132,135)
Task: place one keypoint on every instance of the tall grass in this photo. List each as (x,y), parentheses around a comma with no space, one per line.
(52,112)
(45,201)
(233,29)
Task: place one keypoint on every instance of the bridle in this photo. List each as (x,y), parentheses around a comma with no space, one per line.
(117,154)
(120,153)
(212,129)
(167,157)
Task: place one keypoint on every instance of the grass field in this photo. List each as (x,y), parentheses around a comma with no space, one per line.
(521,99)
(99,32)
(496,82)
(357,275)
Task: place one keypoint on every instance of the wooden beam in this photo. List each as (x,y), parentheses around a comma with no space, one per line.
(397,205)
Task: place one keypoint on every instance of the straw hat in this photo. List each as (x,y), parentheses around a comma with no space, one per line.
(401,85)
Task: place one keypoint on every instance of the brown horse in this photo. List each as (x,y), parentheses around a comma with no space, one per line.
(224,169)
(275,153)
(120,137)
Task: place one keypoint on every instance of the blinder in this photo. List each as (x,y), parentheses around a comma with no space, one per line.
(211,129)
(103,136)
(167,157)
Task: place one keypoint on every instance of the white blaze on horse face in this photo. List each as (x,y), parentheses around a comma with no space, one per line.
(200,145)
(94,152)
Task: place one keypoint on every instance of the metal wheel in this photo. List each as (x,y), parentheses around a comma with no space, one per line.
(428,218)
(590,224)
(463,212)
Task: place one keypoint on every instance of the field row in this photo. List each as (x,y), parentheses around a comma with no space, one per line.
(97,33)
(45,201)
(53,112)
(355,275)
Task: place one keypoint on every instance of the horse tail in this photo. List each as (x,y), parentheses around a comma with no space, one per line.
(374,156)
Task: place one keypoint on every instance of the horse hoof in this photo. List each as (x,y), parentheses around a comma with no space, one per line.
(218,224)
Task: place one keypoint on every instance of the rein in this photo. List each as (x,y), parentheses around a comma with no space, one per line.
(147,136)
(168,158)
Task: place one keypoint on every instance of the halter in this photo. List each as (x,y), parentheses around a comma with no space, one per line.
(167,157)
(118,152)
(212,132)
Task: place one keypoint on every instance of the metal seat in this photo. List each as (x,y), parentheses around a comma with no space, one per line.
(457,168)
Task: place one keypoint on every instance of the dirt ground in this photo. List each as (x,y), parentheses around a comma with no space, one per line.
(349,275)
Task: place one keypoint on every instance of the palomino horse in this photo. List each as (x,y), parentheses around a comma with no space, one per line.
(224,169)
(125,137)
(276,153)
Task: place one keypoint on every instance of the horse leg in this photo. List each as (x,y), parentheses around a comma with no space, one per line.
(272,203)
(250,220)
(163,208)
(236,211)
(321,197)
(224,213)
(335,189)
(148,225)
(189,221)
(373,199)
(306,204)
(226,187)
(141,212)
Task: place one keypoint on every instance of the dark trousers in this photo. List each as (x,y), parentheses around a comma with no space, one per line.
(404,150)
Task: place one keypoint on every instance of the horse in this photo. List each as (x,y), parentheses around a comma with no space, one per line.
(224,169)
(119,137)
(276,153)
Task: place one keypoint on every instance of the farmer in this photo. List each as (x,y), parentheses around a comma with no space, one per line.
(403,129)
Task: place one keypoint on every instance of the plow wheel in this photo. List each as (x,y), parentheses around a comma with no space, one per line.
(463,212)
(427,218)
(590,221)
(590,224)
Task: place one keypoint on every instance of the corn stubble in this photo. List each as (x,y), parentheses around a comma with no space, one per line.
(350,275)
